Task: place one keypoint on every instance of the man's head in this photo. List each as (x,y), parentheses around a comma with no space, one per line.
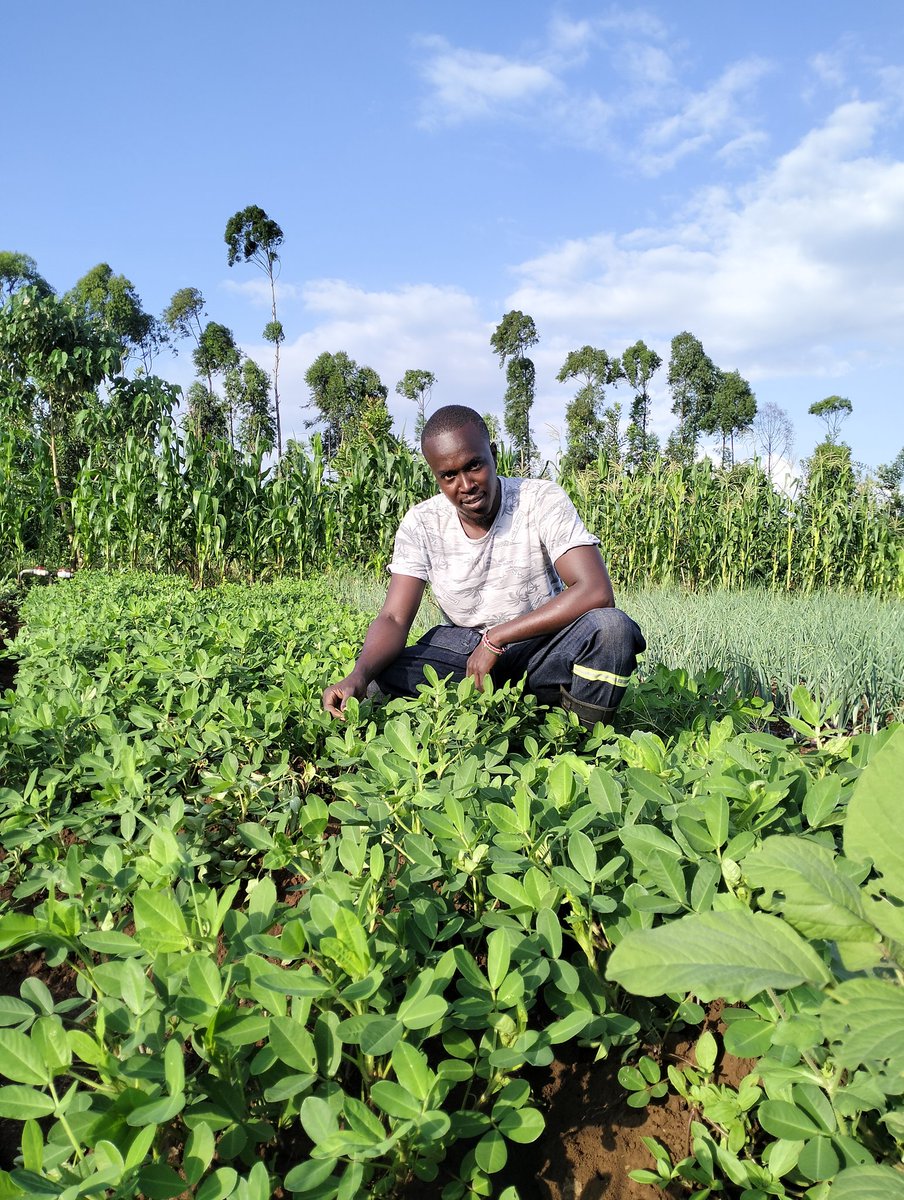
(456,444)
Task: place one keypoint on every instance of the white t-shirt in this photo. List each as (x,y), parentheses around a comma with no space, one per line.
(509,571)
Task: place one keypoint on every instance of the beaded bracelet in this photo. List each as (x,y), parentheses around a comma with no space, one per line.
(497,650)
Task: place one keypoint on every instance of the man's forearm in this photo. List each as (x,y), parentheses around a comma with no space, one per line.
(383,644)
(552,616)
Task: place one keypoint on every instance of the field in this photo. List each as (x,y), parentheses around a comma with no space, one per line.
(455,946)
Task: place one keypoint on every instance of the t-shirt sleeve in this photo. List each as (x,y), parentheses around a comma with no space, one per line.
(409,555)
(561,528)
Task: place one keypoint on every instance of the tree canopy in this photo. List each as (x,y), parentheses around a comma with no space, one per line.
(513,336)
(252,236)
(833,410)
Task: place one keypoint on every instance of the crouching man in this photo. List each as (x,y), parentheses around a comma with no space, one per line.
(519,580)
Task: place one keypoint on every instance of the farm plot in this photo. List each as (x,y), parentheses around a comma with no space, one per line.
(249,952)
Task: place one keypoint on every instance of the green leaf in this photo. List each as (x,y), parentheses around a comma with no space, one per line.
(783,1119)
(821,800)
(20,1060)
(640,840)
(174,1067)
(157,1181)
(14,1011)
(800,878)
(411,1070)
(510,891)
(292,1044)
(733,955)
(157,1112)
(421,1012)
(864,1019)
(549,929)
(868,1183)
(491,1152)
(499,955)
(398,733)
(219,1185)
(349,948)
(582,854)
(748,1038)
(818,1159)
(198,1153)
(32,1146)
(308,1176)
(159,923)
(203,977)
(873,828)
(522,1125)
(395,1100)
(568,1027)
(715,813)
(319,1119)
(380,1035)
(23,1103)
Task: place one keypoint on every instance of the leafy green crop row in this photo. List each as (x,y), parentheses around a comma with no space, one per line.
(318,956)
(213,512)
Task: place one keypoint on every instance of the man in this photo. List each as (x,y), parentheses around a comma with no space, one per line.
(517,576)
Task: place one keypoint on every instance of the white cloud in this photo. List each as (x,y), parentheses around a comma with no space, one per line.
(468,84)
(629,71)
(799,272)
(829,68)
(719,111)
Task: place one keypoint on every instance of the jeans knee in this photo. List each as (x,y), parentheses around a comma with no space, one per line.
(614,629)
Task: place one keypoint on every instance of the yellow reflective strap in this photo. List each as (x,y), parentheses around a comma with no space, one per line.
(600,676)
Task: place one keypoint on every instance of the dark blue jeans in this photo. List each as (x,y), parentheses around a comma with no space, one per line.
(588,662)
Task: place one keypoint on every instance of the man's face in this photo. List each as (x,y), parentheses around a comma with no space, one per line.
(463,463)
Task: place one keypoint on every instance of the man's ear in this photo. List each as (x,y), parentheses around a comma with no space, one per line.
(493,452)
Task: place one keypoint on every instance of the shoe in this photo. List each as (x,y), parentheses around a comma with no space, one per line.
(587,714)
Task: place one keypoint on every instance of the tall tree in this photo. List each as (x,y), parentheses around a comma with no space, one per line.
(692,381)
(252,236)
(731,411)
(52,361)
(206,413)
(772,433)
(492,423)
(640,364)
(215,355)
(183,314)
(585,421)
(513,337)
(889,478)
(417,385)
(833,411)
(345,395)
(112,302)
(247,388)
(18,271)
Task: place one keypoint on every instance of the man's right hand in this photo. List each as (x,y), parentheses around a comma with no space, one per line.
(338,694)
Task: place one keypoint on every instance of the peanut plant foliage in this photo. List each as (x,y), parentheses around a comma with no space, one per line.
(318,956)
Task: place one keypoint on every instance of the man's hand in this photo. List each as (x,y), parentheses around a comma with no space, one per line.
(338,694)
(480,663)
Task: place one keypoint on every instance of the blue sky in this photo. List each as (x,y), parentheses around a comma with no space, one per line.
(617,171)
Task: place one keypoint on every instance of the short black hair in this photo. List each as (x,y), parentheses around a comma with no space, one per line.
(451,418)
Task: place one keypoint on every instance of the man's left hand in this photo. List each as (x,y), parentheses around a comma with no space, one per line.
(480,663)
